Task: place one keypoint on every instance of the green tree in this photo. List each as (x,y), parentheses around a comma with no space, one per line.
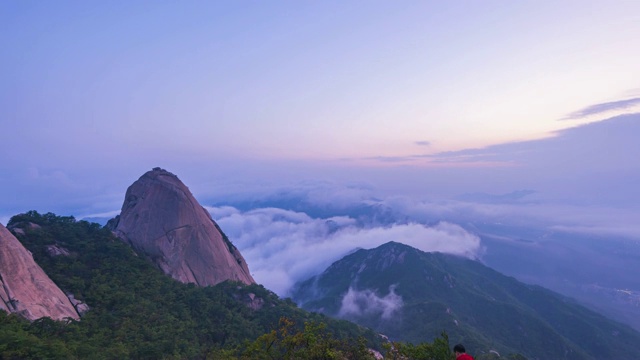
(438,350)
(311,343)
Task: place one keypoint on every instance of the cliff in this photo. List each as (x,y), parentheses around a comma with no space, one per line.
(25,289)
(161,218)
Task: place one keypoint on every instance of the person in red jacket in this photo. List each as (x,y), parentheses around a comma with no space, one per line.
(460,352)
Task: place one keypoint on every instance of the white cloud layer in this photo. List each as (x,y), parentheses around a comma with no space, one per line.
(366,302)
(106,214)
(595,220)
(283,247)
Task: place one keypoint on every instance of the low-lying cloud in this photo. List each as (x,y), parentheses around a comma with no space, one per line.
(283,247)
(366,302)
(533,213)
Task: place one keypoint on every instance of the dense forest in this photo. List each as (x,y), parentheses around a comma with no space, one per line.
(137,312)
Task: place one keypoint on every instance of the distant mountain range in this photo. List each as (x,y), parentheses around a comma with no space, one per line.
(412,296)
(528,248)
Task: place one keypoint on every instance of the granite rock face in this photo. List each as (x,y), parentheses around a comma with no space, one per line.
(161,218)
(25,289)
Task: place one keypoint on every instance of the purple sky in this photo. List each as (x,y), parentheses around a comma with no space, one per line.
(426,99)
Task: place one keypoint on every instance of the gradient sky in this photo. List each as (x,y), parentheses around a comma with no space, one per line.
(227,94)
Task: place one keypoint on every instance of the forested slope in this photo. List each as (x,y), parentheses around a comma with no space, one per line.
(135,310)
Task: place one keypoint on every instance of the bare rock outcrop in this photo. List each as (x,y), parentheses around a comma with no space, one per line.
(25,289)
(80,306)
(55,250)
(161,218)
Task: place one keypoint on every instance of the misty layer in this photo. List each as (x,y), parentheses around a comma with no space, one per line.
(366,302)
(284,247)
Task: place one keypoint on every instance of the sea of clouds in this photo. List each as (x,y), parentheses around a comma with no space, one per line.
(283,247)
(324,223)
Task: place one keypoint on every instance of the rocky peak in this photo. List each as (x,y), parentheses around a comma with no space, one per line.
(161,218)
(25,289)
(388,254)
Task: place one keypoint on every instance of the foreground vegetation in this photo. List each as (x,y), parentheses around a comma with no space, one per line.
(139,313)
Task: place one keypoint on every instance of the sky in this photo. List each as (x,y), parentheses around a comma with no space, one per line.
(313,128)
(94,94)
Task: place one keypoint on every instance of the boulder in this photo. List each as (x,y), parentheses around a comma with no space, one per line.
(80,306)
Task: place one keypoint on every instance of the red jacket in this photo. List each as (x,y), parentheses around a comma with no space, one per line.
(464,356)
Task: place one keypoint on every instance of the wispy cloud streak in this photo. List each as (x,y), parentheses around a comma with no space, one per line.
(602,108)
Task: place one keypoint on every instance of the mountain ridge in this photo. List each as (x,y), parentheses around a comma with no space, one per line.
(426,293)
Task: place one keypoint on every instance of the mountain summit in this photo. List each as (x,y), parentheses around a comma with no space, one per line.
(161,218)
